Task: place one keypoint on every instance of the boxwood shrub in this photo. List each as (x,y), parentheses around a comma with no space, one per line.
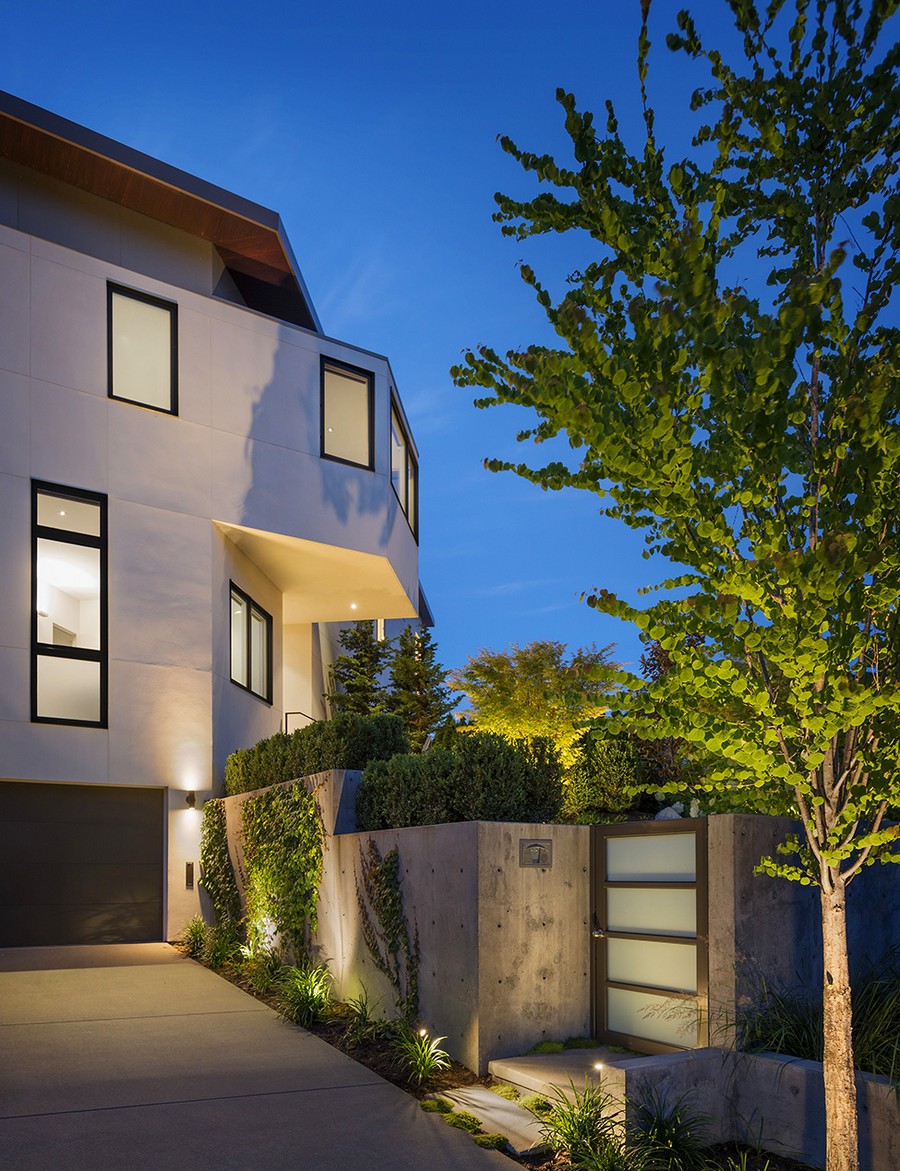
(483,777)
(347,741)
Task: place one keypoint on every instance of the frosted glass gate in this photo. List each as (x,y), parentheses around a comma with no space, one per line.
(649,936)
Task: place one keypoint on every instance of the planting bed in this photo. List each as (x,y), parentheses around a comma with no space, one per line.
(379,1056)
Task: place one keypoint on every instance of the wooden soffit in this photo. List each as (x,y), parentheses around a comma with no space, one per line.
(249,238)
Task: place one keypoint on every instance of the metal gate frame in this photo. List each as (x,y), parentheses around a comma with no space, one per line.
(599,933)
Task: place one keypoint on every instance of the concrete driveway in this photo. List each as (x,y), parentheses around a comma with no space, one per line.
(120,1058)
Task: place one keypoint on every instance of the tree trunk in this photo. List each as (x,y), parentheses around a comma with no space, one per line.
(842,1143)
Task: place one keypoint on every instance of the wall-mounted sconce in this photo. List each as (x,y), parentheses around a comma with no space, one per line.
(190,799)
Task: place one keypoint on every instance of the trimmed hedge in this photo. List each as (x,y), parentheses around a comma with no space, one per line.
(347,741)
(482,778)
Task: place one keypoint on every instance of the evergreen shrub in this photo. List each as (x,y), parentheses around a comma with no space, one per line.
(608,772)
(483,777)
(347,741)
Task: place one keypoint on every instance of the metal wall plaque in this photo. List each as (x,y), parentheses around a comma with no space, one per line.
(536,852)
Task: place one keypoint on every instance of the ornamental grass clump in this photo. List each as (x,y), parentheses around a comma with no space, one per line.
(193,937)
(586,1125)
(668,1137)
(304,993)
(420,1055)
(364,1023)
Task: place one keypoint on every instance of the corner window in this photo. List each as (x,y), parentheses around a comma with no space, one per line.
(251,645)
(348,404)
(404,470)
(68,661)
(142,349)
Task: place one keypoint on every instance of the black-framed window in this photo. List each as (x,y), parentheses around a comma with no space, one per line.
(404,470)
(251,645)
(142,349)
(68,606)
(348,414)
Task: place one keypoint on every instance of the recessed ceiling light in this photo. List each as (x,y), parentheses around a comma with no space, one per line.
(353,605)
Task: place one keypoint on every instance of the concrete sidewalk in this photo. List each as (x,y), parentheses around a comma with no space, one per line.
(125,1058)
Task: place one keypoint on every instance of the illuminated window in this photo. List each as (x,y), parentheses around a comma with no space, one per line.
(142,349)
(347,414)
(404,470)
(251,645)
(68,676)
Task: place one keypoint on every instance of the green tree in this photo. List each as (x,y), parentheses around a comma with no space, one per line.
(538,691)
(418,692)
(753,436)
(356,676)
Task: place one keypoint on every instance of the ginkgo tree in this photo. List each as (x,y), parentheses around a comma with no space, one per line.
(727,378)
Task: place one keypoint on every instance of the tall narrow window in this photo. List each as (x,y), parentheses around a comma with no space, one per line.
(404,470)
(347,414)
(68,676)
(142,349)
(251,645)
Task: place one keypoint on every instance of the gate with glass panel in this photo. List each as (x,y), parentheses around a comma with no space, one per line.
(649,935)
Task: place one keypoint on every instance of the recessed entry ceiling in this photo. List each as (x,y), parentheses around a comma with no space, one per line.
(323,583)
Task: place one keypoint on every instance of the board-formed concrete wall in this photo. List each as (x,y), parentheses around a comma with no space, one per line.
(504,947)
(768,929)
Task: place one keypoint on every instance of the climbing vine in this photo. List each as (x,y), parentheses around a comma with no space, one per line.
(385,926)
(283,841)
(216,873)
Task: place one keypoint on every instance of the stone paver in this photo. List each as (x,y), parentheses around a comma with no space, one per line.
(498,1115)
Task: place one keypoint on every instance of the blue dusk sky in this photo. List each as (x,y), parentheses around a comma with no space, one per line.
(372,130)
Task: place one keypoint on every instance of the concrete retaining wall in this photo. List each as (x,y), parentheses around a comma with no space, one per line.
(505,957)
(763,928)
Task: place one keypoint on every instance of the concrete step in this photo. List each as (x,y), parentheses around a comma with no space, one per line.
(552,1074)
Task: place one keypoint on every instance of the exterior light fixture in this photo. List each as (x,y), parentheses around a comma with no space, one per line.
(190,799)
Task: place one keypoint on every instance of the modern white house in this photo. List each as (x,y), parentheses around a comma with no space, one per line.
(198,487)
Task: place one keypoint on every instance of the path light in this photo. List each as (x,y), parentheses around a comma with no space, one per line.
(423,1032)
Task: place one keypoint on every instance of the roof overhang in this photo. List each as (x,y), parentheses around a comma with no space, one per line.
(323,583)
(249,238)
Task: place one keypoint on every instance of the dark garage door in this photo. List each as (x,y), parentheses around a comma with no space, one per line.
(80,864)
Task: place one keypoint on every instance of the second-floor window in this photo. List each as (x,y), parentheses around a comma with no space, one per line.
(348,413)
(251,645)
(404,470)
(142,349)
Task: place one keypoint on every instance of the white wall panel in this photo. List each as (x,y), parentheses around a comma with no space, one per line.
(74,219)
(15,689)
(194,386)
(15,297)
(243,363)
(68,437)
(158,459)
(68,324)
(159,719)
(160,600)
(48,752)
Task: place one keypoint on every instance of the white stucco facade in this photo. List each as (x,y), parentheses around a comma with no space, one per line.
(232,488)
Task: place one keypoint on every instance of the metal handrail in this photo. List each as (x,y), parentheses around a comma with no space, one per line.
(306,716)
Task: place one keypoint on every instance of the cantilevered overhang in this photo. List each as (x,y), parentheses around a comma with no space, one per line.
(249,238)
(323,583)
